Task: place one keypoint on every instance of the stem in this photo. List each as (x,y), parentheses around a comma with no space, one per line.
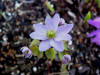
(93,2)
(48,69)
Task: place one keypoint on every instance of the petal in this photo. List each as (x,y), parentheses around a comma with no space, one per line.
(28,56)
(52,24)
(62,21)
(66,58)
(47,20)
(56,21)
(97,19)
(94,33)
(44,45)
(62,33)
(60,37)
(65,29)
(39,27)
(98,42)
(91,34)
(64,61)
(94,23)
(25,48)
(38,35)
(96,36)
(96,39)
(57,45)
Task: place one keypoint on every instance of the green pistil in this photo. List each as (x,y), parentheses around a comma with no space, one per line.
(26,52)
(51,34)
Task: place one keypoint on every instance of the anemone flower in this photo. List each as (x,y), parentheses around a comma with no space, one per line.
(26,51)
(95,34)
(66,58)
(50,34)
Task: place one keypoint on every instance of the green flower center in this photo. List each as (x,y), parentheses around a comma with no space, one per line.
(51,34)
(26,52)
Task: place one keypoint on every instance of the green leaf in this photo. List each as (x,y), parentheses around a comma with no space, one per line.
(40,55)
(60,54)
(49,7)
(34,42)
(50,54)
(36,52)
(3,14)
(98,3)
(87,1)
(87,17)
(0,12)
(65,45)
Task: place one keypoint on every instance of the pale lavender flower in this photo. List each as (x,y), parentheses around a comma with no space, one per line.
(50,34)
(95,34)
(66,58)
(26,51)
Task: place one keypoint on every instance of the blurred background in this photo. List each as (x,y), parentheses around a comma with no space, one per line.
(16,20)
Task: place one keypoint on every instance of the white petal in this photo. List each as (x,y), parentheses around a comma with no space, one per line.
(38,35)
(60,37)
(44,45)
(39,27)
(57,45)
(52,24)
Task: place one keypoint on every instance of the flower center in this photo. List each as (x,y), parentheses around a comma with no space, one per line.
(26,52)
(51,34)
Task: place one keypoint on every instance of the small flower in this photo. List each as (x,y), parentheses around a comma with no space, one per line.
(50,34)
(95,34)
(26,51)
(66,58)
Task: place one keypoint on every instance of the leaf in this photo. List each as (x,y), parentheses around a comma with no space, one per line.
(87,17)
(65,45)
(49,7)
(50,54)
(34,42)
(98,3)
(36,52)
(3,14)
(0,12)
(40,54)
(87,1)
(60,54)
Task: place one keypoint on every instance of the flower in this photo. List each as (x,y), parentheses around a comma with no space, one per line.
(66,58)
(26,51)
(50,34)
(95,34)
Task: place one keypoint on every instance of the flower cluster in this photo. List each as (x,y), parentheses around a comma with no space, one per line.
(95,34)
(51,35)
